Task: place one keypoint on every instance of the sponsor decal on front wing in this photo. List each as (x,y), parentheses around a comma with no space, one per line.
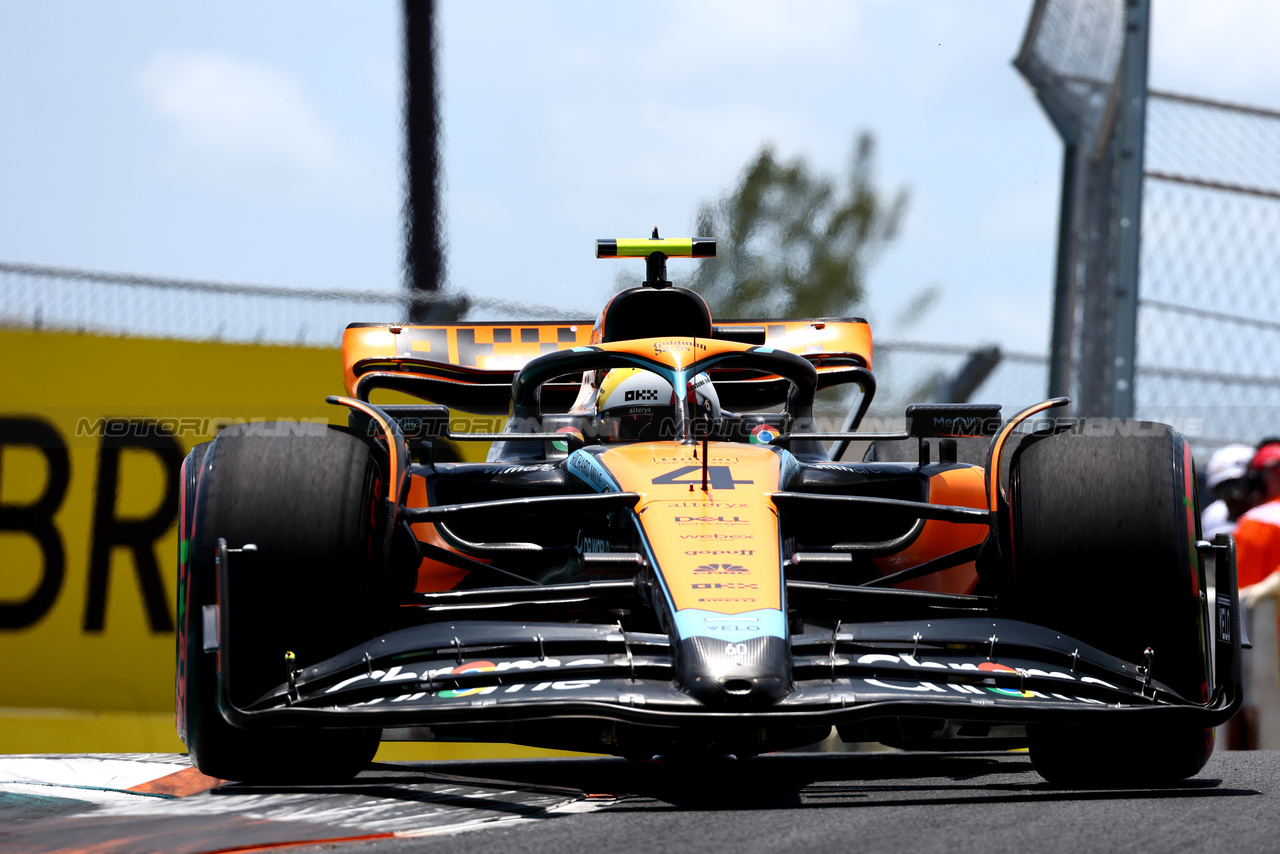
(398,673)
(940,686)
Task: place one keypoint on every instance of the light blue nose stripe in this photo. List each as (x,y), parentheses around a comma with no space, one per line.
(694,622)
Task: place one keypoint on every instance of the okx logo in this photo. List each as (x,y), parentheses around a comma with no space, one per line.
(719,569)
(641,394)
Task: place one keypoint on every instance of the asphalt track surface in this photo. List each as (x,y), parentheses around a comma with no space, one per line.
(883,802)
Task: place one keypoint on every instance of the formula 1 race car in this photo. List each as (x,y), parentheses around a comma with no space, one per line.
(662,556)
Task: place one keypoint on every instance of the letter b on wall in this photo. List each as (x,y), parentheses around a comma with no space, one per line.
(35,519)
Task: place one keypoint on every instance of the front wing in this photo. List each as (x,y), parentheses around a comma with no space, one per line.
(957,668)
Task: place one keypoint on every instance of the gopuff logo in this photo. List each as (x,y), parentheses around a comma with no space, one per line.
(641,394)
(714,552)
(719,569)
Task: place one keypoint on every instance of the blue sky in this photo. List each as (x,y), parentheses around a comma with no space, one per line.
(260,142)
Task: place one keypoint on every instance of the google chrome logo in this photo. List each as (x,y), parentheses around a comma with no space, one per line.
(469,667)
(992,667)
(763,434)
(562,444)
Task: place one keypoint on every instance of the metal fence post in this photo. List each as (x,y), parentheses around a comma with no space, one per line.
(1071,56)
(1127,226)
(1063,293)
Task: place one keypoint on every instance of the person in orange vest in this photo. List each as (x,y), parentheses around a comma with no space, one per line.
(1257,537)
(1258,533)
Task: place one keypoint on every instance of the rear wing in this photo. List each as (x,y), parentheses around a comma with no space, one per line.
(470,366)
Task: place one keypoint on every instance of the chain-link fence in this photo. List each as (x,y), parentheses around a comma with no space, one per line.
(1209,298)
(113,304)
(1070,54)
(1072,57)
(1207,332)
(915,371)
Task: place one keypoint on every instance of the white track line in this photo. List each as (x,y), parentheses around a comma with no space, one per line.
(83,771)
(568,808)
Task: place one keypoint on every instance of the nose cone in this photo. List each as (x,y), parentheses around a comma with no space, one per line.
(750,673)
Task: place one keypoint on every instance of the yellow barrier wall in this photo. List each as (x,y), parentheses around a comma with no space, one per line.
(92,433)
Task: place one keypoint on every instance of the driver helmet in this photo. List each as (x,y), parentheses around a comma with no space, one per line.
(638,405)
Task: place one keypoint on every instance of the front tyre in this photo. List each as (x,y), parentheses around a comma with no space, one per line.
(1118,756)
(1104,524)
(308,497)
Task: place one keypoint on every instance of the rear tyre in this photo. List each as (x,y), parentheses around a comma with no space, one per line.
(309,498)
(1104,525)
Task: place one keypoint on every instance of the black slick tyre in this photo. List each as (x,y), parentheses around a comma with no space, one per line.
(1104,524)
(308,497)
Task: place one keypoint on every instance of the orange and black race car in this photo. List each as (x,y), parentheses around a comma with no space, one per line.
(663,555)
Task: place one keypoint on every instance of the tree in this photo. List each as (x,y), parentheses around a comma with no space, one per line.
(794,243)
